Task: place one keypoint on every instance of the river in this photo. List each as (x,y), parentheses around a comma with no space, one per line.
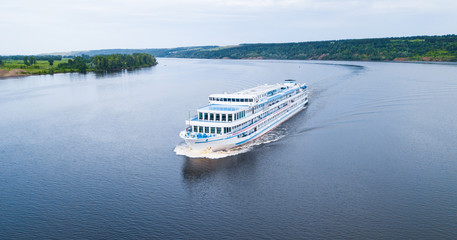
(94,156)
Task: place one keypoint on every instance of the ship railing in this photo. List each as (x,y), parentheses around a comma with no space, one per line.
(199,135)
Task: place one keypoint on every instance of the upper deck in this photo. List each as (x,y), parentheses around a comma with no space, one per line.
(251,96)
(222,108)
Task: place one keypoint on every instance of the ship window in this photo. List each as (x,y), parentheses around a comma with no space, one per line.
(224,117)
(200,129)
(237,99)
(200,115)
(206,129)
(225,99)
(195,129)
(211,116)
(206,116)
(242,100)
(218,116)
(230,117)
(213,130)
(218,130)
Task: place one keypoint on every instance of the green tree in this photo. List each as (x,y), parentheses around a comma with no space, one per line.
(51,61)
(26,61)
(121,61)
(32,60)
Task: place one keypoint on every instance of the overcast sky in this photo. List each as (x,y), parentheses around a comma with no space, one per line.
(44,26)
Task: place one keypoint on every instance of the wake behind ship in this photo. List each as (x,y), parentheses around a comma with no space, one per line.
(234,119)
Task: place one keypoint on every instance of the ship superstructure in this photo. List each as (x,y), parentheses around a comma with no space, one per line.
(234,119)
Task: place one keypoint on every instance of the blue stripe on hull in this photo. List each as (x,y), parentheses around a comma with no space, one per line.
(268,128)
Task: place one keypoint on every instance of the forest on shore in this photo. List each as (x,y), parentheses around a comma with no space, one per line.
(418,48)
(48,64)
(426,48)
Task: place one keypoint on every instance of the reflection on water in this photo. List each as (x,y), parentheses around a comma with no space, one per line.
(196,169)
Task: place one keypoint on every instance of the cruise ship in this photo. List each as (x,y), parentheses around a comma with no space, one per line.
(231,120)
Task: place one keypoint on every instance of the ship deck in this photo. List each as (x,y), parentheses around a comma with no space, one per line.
(223,108)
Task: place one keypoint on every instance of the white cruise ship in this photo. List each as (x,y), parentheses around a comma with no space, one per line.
(234,119)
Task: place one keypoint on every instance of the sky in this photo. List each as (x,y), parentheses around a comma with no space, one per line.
(47,26)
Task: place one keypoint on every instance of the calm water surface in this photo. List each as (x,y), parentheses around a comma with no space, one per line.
(374,156)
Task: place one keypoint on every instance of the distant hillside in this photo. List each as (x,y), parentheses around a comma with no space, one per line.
(419,48)
(158,52)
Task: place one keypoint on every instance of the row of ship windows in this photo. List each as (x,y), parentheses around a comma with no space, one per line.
(253,130)
(221,116)
(269,120)
(294,103)
(213,130)
(218,130)
(247,123)
(231,99)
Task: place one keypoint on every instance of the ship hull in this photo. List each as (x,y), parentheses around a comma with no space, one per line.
(237,139)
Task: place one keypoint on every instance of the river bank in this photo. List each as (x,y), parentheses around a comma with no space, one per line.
(13,73)
(13,67)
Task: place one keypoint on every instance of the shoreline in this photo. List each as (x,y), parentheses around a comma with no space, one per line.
(13,73)
(322,60)
(5,74)
(29,65)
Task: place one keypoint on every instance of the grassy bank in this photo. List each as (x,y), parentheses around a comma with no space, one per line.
(41,67)
(11,66)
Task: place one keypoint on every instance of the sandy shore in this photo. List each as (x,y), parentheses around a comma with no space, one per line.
(12,73)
